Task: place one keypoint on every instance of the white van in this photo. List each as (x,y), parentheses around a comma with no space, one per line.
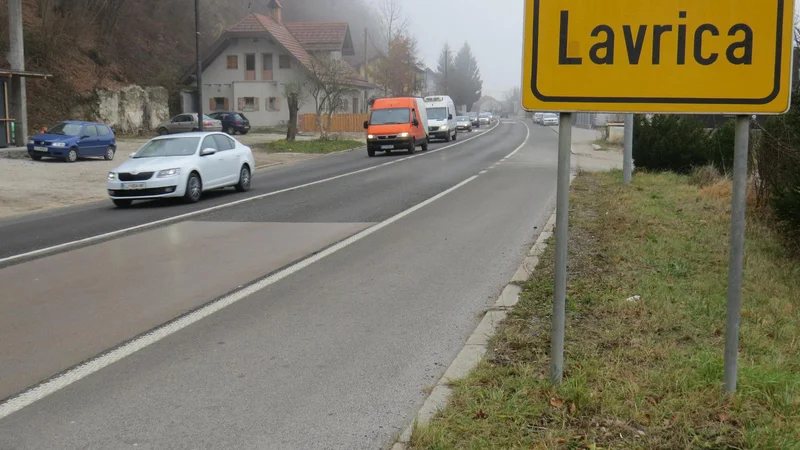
(441,117)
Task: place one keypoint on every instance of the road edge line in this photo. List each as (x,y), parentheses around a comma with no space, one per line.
(475,347)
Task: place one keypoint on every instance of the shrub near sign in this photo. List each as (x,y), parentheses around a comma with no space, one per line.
(701,56)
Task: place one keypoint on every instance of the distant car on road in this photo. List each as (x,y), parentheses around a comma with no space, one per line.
(504,115)
(537,118)
(549,119)
(182,165)
(474,118)
(485,118)
(70,140)
(463,123)
(186,123)
(232,122)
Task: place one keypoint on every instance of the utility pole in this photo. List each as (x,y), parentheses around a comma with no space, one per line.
(199,65)
(366,61)
(446,63)
(16,57)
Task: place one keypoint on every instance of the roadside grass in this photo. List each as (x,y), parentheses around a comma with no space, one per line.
(640,373)
(309,146)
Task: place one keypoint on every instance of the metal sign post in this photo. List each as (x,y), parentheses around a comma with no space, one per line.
(627,151)
(562,239)
(584,56)
(736,256)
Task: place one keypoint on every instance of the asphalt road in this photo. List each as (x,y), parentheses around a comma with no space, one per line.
(335,354)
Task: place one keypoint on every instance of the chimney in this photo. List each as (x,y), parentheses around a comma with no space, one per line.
(275,11)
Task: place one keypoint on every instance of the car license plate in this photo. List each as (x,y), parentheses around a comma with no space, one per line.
(387,147)
(40,149)
(132,186)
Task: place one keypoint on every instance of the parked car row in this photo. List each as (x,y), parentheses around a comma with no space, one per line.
(73,139)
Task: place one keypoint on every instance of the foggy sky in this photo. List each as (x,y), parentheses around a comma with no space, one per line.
(493,29)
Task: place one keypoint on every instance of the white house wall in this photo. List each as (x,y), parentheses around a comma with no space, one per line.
(219,81)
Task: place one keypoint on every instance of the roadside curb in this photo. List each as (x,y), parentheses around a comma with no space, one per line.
(475,347)
(13,153)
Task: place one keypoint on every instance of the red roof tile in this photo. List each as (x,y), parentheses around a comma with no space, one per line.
(309,37)
(319,36)
(255,23)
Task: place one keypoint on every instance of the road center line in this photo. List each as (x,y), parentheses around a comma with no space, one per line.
(111,234)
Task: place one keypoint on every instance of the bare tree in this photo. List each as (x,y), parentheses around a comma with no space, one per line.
(328,84)
(295,92)
(393,21)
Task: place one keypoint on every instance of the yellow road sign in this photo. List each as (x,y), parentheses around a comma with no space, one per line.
(680,56)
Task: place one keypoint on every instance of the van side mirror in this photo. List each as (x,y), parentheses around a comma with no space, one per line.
(415,122)
(366,124)
(449,117)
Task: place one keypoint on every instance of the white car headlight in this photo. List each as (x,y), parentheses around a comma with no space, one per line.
(59,144)
(112,176)
(402,135)
(168,173)
(444,128)
(370,136)
(30,141)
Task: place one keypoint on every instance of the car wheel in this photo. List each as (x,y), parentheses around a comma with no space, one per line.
(230,131)
(162,131)
(455,135)
(425,145)
(447,137)
(72,155)
(370,152)
(109,154)
(122,203)
(412,147)
(36,157)
(194,188)
(243,132)
(194,130)
(244,180)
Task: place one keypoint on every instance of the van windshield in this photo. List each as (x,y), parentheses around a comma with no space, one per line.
(437,113)
(390,116)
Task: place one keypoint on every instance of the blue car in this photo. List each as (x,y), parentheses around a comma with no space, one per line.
(71,140)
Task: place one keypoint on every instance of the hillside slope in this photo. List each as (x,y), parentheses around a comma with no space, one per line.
(98,44)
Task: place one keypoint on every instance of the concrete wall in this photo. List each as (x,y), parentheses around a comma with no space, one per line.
(132,109)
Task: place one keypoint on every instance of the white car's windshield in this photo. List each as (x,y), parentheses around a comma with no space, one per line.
(178,146)
(463,119)
(437,113)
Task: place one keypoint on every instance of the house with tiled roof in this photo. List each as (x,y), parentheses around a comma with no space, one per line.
(248,66)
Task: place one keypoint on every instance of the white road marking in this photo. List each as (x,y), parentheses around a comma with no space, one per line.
(30,396)
(482,172)
(180,217)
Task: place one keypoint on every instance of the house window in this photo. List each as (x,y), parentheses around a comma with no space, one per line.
(273,104)
(219,104)
(233,62)
(248,104)
(267,67)
(285,62)
(250,67)
(355,105)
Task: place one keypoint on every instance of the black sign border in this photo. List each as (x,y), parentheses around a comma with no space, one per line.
(652,100)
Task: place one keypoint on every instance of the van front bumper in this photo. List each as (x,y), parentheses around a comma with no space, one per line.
(388,142)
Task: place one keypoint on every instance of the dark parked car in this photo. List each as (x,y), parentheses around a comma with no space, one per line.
(232,122)
(71,140)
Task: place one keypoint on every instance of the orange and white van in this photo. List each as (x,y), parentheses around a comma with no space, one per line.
(397,123)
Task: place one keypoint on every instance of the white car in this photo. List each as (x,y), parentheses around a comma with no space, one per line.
(549,119)
(182,165)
